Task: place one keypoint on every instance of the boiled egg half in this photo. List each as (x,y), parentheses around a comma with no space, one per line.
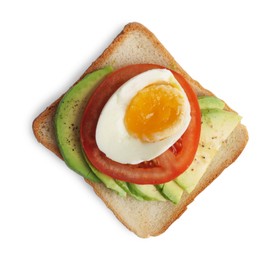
(143,118)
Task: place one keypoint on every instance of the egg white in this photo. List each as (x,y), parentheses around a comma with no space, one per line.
(111,135)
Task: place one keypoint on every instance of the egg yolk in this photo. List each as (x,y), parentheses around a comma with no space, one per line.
(155,112)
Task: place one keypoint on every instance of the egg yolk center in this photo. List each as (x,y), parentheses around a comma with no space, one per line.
(155,112)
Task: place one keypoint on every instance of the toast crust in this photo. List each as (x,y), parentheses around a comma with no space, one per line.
(136,44)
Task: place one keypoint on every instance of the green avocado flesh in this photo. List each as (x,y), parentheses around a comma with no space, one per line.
(109,182)
(125,187)
(67,121)
(217,125)
(171,190)
(147,191)
(209,102)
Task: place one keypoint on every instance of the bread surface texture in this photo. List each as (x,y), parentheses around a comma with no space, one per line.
(134,45)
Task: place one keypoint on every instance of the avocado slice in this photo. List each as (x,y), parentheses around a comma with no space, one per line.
(67,121)
(109,182)
(209,102)
(217,125)
(146,191)
(125,187)
(171,190)
(190,178)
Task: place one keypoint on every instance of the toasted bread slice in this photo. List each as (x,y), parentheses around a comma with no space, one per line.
(136,44)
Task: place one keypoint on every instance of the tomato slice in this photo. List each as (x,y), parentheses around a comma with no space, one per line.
(163,168)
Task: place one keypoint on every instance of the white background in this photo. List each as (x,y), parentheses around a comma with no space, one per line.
(48,212)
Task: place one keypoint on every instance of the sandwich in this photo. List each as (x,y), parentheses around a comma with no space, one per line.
(145,135)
